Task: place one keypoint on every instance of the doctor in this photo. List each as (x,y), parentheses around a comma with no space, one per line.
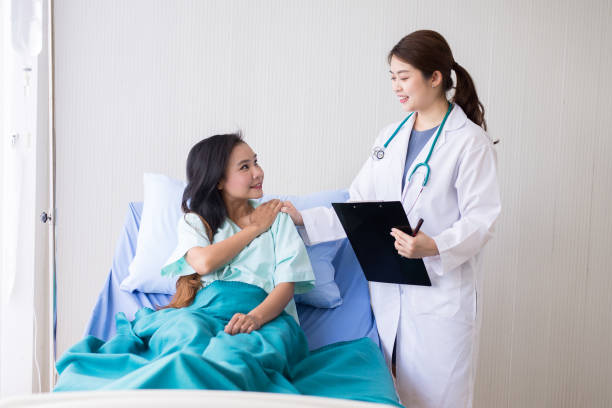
(440,163)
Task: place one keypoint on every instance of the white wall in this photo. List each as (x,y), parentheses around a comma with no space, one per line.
(4,141)
(139,82)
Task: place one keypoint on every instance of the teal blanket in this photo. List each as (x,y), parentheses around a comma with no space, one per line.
(187,348)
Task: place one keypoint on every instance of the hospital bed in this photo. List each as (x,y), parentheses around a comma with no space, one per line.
(351,320)
(179,398)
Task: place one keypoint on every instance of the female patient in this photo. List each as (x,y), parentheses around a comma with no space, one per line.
(232,323)
(223,175)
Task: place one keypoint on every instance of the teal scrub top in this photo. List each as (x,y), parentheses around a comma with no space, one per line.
(278,255)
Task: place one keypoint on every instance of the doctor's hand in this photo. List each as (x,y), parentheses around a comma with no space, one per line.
(295,215)
(242,323)
(264,215)
(420,246)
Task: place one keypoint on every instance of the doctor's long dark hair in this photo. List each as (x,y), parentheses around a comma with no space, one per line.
(206,164)
(428,51)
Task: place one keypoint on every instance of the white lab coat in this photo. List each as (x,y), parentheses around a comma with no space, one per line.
(436,327)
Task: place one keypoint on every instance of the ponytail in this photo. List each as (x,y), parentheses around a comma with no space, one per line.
(186,289)
(466,96)
(187,286)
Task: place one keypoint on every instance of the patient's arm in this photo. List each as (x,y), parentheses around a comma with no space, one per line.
(205,260)
(267,310)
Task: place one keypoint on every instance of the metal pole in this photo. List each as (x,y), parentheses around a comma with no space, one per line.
(52,303)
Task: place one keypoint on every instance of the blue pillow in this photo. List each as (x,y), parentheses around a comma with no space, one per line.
(326,293)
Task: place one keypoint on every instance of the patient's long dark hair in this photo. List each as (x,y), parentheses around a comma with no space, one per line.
(206,164)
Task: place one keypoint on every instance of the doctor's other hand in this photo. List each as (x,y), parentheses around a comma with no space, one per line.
(263,217)
(420,246)
(295,215)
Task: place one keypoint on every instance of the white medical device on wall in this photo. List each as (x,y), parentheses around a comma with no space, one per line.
(28,28)
(26,24)
(26,39)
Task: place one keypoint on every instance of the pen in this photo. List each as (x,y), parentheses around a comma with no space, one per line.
(418,227)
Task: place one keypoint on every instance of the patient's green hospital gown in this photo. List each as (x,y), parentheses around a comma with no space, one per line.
(278,255)
(187,348)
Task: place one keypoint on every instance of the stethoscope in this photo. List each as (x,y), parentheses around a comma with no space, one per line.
(378,153)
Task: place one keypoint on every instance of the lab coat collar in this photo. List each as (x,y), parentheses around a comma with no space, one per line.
(456,119)
(399,157)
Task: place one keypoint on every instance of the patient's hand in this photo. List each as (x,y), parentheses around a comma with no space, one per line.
(264,215)
(295,215)
(242,323)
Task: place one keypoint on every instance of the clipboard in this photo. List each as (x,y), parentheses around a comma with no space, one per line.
(368,226)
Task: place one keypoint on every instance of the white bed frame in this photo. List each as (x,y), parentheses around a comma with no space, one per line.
(178,398)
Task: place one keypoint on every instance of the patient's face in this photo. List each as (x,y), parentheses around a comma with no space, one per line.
(243,176)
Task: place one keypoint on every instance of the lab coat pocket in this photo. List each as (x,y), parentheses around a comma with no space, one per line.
(442,298)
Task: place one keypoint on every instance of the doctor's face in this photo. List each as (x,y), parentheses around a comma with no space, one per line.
(413,90)
(243,177)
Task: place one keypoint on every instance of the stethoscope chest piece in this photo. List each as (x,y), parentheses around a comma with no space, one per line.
(378,153)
